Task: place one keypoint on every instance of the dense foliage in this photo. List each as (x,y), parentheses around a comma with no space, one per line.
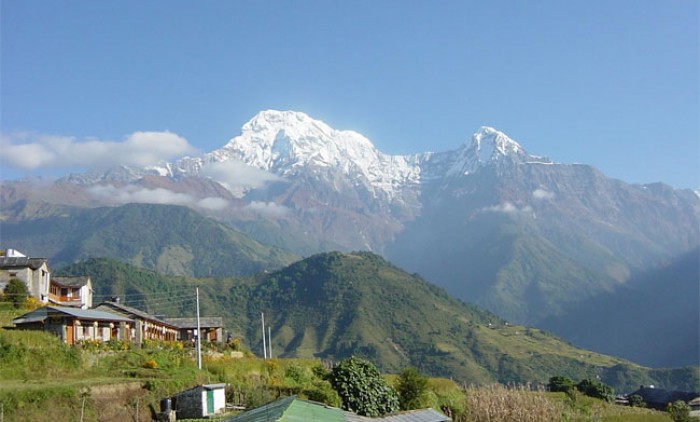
(411,387)
(596,389)
(44,379)
(337,305)
(15,292)
(560,384)
(362,388)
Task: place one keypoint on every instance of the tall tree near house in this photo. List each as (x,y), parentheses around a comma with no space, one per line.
(15,292)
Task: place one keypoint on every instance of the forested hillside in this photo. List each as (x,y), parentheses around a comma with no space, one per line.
(336,305)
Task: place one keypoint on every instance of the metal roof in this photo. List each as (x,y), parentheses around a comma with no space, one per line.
(78,281)
(204,322)
(421,415)
(120,308)
(292,409)
(21,262)
(41,314)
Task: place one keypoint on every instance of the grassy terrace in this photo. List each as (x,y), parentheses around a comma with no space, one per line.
(42,379)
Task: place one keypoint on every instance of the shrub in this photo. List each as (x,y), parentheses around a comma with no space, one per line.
(16,292)
(560,384)
(362,389)
(596,389)
(411,387)
(637,401)
(679,411)
(151,364)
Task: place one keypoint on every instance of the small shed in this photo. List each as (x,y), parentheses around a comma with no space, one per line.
(201,401)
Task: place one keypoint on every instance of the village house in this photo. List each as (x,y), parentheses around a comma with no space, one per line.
(34,272)
(145,327)
(212,328)
(71,291)
(72,325)
(658,398)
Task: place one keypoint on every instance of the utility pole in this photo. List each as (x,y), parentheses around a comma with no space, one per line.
(262,315)
(269,340)
(199,334)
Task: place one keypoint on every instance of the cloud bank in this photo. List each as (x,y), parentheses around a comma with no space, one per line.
(268,209)
(30,151)
(542,194)
(236,175)
(509,208)
(136,194)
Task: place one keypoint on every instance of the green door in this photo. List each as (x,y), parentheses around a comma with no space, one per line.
(210,402)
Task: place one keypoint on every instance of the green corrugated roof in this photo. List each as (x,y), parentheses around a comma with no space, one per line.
(291,409)
(301,411)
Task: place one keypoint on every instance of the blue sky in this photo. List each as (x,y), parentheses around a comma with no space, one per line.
(614,84)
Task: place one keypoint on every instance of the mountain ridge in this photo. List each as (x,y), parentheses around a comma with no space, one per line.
(335,305)
(496,226)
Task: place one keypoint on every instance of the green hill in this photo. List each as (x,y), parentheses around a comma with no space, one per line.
(170,239)
(335,305)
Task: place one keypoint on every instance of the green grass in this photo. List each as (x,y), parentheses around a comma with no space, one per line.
(111,385)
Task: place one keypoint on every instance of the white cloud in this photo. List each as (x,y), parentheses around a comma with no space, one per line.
(212,204)
(236,174)
(508,208)
(135,194)
(542,194)
(269,209)
(30,151)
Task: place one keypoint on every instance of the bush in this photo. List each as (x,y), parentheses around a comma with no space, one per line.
(16,292)
(679,411)
(560,384)
(596,389)
(411,386)
(362,389)
(637,401)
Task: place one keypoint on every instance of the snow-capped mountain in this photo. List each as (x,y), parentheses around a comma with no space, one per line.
(487,220)
(288,143)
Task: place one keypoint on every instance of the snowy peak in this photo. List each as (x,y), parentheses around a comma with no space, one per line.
(488,143)
(289,143)
(489,146)
(283,140)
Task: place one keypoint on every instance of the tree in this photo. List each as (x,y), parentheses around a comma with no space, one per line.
(596,389)
(411,386)
(16,292)
(679,410)
(362,389)
(636,400)
(560,384)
